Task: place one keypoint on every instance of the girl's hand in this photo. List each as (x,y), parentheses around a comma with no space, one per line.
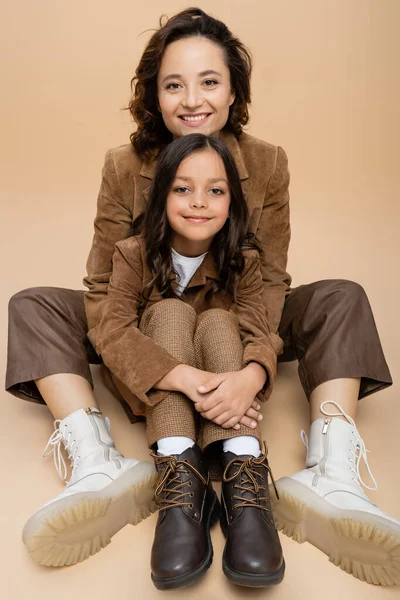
(185,379)
(188,380)
(250,419)
(194,378)
(231,396)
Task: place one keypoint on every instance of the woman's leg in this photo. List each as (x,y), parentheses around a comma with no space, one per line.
(46,337)
(65,392)
(49,352)
(329,327)
(48,361)
(182,550)
(345,389)
(253,553)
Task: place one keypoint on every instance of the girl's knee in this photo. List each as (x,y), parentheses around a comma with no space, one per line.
(170,306)
(215,317)
(168,312)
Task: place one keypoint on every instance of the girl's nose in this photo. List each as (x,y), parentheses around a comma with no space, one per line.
(198,200)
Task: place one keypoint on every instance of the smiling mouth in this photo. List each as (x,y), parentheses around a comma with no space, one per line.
(195,219)
(194,119)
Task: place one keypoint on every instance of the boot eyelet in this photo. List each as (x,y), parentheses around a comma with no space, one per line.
(190,505)
(189,483)
(191,495)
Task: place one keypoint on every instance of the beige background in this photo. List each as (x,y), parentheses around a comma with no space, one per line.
(326,88)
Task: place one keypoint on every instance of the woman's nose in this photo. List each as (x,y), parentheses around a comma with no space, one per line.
(193,98)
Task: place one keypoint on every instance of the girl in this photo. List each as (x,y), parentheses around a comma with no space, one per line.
(194,76)
(190,247)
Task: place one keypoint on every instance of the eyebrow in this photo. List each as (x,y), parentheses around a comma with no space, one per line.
(212,180)
(179,76)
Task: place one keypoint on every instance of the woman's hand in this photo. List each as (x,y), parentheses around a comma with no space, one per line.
(230,396)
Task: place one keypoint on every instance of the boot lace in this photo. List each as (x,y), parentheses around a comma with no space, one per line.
(54,447)
(247,473)
(169,482)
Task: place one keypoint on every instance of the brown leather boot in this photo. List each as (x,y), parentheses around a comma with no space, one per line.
(182,550)
(253,552)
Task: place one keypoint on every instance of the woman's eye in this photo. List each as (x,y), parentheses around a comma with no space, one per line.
(173,86)
(210,82)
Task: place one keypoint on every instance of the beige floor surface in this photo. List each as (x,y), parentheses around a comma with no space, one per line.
(326,87)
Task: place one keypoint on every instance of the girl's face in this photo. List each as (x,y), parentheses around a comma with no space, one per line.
(198,202)
(194,87)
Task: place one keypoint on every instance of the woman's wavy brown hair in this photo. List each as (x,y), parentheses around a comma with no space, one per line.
(151,134)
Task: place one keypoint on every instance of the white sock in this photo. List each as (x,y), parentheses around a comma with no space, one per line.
(174,445)
(243,444)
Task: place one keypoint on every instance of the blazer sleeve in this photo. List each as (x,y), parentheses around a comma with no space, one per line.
(134,358)
(273,233)
(253,324)
(113,223)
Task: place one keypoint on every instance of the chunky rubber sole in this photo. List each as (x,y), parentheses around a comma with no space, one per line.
(75,527)
(362,544)
(187,579)
(253,580)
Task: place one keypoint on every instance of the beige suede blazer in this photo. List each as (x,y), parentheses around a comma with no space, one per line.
(124,188)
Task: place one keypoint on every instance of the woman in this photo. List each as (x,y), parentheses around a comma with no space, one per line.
(194,76)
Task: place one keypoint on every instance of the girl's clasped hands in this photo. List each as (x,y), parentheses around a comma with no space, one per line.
(227,399)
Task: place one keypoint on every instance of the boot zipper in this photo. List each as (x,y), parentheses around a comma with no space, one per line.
(322,462)
(324,432)
(91,412)
(326,425)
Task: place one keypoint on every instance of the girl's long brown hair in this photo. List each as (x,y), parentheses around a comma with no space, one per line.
(227,245)
(151,133)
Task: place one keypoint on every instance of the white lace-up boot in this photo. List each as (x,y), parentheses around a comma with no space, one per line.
(105,492)
(325,504)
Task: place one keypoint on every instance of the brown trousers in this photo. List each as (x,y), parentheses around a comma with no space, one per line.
(197,341)
(328,326)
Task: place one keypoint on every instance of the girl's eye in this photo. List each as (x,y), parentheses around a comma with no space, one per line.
(181,189)
(217,191)
(210,82)
(173,86)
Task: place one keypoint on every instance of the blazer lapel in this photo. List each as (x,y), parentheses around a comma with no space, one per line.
(207,270)
(147,171)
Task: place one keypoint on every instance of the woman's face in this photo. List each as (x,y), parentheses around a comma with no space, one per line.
(194,87)
(198,202)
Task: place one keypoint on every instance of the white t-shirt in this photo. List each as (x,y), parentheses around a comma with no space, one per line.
(185,267)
